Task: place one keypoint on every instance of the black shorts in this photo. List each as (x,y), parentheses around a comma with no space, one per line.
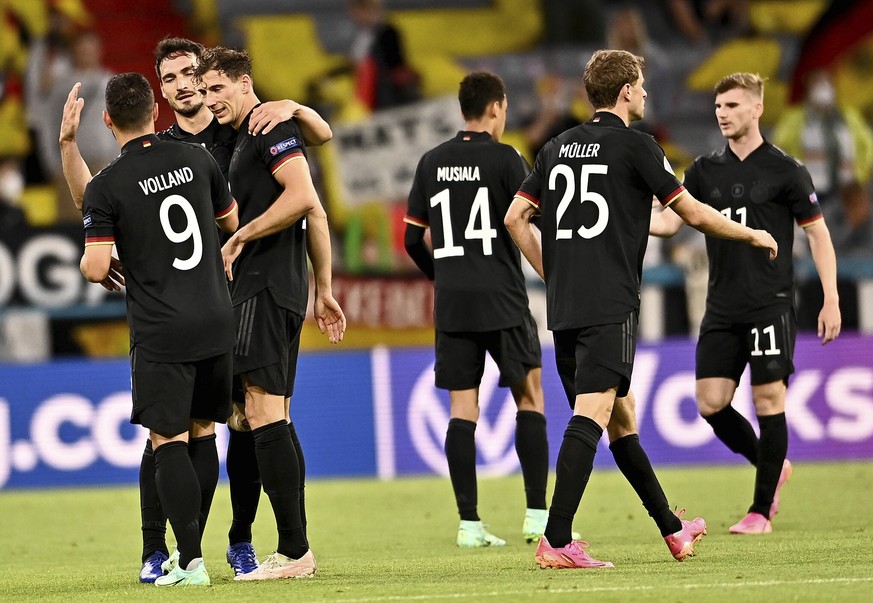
(168,395)
(267,344)
(767,346)
(460,356)
(595,359)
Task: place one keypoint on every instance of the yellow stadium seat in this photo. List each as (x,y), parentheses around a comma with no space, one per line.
(440,74)
(778,16)
(40,205)
(760,55)
(286,54)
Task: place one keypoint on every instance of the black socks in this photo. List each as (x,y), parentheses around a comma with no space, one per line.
(771,454)
(204,458)
(280,475)
(532,447)
(634,464)
(245,485)
(179,492)
(154,522)
(736,432)
(575,462)
(461,456)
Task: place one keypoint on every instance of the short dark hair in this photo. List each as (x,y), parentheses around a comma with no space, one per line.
(170,48)
(606,72)
(129,101)
(232,63)
(478,90)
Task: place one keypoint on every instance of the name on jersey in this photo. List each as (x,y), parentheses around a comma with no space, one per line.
(575,149)
(458,173)
(165,181)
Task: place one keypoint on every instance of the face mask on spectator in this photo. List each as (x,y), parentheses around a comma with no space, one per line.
(823,95)
(11,187)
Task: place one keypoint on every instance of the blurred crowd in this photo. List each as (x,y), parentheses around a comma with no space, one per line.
(47,45)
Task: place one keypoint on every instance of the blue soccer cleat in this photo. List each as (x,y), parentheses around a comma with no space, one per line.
(151,567)
(242,558)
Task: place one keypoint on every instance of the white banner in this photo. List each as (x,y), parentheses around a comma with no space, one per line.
(377,158)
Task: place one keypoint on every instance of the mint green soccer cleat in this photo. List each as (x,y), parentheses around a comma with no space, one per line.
(196,576)
(472,534)
(171,562)
(534,526)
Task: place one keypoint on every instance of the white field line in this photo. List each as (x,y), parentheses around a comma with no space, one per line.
(607,589)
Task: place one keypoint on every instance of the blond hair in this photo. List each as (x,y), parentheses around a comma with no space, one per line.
(750,82)
(606,72)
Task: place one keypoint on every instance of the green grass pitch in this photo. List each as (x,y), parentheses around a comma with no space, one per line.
(394,541)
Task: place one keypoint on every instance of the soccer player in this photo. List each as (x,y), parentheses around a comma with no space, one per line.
(749,316)
(156,202)
(461,191)
(592,189)
(175,60)
(266,262)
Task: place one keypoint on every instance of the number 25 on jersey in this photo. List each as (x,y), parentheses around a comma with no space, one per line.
(585,194)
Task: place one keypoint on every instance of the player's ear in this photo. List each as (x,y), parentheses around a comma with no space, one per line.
(246,83)
(107,120)
(155,112)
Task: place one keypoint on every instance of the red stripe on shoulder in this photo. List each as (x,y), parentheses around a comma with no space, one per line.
(226,212)
(286,159)
(672,196)
(530,198)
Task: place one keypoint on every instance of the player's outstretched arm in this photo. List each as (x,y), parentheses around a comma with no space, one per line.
(266,116)
(328,313)
(518,223)
(829,319)
(75,169)
(665,222)
(710,222)
(418,250)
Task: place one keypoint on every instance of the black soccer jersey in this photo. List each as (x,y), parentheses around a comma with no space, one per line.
(593,187)
(767,190)
(216,138)
(462,190)
(158,202)
(276,262)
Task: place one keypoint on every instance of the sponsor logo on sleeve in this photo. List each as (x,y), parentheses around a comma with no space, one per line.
(284,145)
(813,198)
(86,220)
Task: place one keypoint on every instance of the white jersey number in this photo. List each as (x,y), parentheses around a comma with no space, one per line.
(191,230)
(771,334)
(480,209)
(584,195)
(741,214)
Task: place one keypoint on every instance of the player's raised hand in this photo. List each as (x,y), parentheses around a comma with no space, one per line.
(764,239)
(230,252)
(829,321)
(72,113)
(329,317)
(267,116)
(114,281)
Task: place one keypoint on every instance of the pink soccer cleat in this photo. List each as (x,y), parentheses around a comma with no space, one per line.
(787,470)
(569,557)
(681,544)
(753,523)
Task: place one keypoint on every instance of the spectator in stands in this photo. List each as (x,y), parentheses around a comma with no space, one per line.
(852,228)
(627,31)
(562,105)
(701,21)
(11,187)
(831,139)
(96,142)
(382,76)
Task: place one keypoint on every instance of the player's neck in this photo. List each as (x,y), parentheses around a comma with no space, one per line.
(249,103)
(619,111)
(122,138)
(197,122)
(481,125)
(743,146)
